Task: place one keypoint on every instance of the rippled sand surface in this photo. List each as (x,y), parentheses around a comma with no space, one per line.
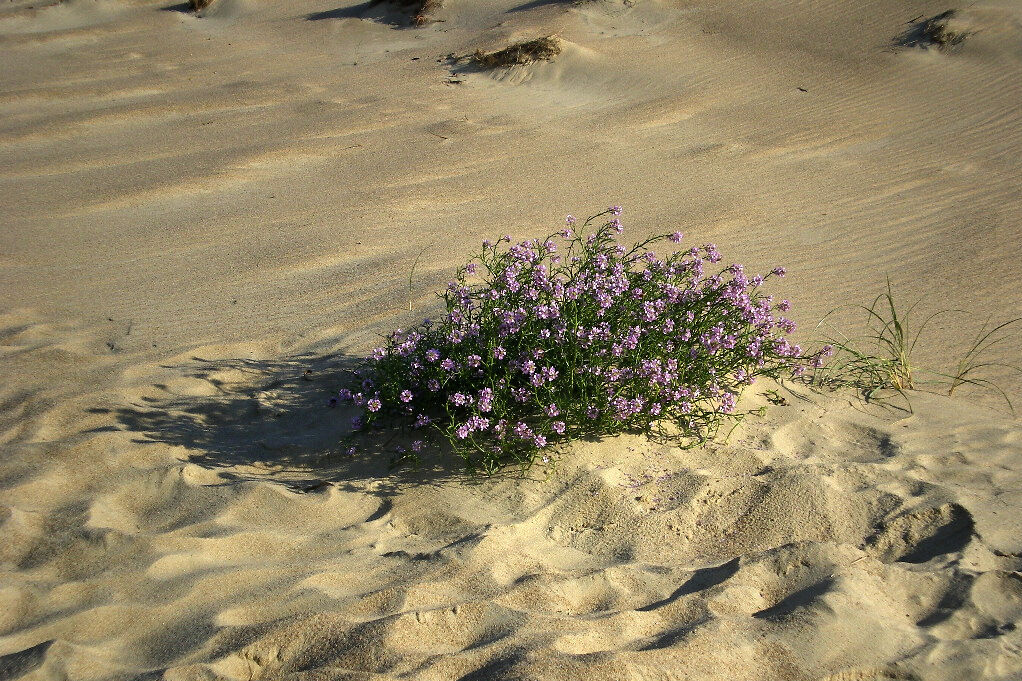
(197,209)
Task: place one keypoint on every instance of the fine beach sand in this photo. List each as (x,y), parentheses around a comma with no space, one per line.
(206,220)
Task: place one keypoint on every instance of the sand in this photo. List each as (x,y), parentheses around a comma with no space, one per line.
(196,209)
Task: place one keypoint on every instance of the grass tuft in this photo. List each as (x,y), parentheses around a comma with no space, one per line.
(970,365)
(423,14)
(520,53)
(881,359)
(940,31)
(419,11)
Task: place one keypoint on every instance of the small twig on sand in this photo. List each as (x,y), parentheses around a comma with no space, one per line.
(412,272)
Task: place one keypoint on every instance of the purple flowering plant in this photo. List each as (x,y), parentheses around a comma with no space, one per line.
(576,335)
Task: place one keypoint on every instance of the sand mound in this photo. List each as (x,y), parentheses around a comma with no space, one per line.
(525,52)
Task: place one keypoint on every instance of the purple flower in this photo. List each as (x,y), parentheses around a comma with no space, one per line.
(779,271)
(666,337)
(344,394)
(786,325)
(356,422)
(417,445)
(478,423)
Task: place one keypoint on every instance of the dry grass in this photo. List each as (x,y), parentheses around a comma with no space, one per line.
(940,31)
(419,11)
(425,9)
(519,53)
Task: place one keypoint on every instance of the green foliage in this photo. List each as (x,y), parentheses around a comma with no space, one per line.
(550,340)
(881,360)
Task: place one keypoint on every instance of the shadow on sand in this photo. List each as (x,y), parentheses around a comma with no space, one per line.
(536,4)
(270,421)
(388,12)
(937,31)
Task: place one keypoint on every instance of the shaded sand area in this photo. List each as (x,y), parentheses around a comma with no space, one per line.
(196,210)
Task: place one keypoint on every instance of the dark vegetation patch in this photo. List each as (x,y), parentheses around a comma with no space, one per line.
(520,53)
(535,4)
(419,11)
(392,12)
(940,31)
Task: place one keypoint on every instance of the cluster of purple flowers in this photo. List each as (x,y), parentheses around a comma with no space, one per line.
(581,336)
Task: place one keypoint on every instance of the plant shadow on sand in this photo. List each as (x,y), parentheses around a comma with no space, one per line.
(398,13)
(943,31)
(189,6)
(269,420)
(535,4)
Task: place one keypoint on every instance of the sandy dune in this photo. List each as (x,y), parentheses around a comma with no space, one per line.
(198,209)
